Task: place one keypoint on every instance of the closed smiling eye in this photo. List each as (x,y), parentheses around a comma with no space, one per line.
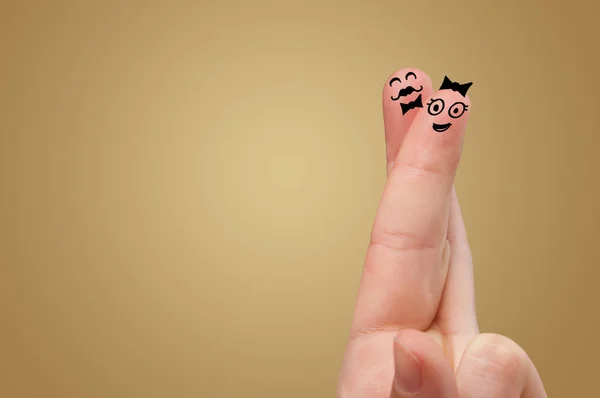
(395,79)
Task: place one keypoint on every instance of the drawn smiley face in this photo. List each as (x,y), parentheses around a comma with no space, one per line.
(437,105)
(459,105)
(404,84)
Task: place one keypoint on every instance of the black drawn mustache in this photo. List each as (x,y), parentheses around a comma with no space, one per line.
(406,91)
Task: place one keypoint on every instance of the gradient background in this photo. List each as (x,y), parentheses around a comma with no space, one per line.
(187,188)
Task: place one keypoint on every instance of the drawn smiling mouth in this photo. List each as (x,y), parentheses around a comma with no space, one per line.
(441,127)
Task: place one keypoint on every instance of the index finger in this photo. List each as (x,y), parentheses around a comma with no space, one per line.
(403,95)
(405,268)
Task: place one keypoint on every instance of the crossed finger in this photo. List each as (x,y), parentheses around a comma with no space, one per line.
(407,261)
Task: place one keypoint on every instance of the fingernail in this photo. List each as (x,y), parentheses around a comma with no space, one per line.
(408,377)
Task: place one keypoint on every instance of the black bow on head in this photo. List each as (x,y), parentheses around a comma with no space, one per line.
(448,84)
(411,105)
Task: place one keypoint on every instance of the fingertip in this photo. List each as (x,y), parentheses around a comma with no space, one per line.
(447,110)
(449,106)
(404,93)
(404,86)
(407,74)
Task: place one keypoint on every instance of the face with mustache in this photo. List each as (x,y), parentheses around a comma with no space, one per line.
(405,89)
(402,104)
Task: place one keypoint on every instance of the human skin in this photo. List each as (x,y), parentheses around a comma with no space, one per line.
(414,331)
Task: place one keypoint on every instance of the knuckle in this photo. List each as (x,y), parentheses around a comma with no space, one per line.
(497,357)
(421,168)
(399,240)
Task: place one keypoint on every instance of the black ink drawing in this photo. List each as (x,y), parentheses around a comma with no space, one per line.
(412,105)
(408,90)
(448,84)
(457,109)
(436,106)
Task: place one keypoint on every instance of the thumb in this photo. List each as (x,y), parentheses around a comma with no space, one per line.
(421,368)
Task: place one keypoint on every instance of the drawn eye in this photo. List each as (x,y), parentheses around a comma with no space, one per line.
(395,79)
(457,109)
(435,107)
(410,74)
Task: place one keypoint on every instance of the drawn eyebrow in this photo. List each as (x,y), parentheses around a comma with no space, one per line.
(395,79)
(410,73)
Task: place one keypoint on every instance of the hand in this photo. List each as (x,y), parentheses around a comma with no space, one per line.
(415,332)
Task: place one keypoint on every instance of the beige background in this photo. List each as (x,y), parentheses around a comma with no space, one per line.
(186,188)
